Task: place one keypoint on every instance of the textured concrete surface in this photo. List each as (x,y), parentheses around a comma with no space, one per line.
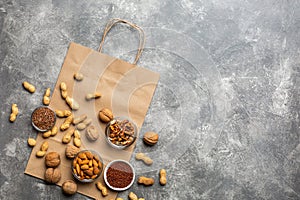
(226,107)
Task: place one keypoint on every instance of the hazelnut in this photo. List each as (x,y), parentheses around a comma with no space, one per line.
(150,138)
(52,175)
(69,187)
(92,133)
(105,115)
(71,151)
(52,159)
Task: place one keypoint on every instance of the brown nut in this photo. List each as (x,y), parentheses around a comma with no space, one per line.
(105,115)
(92,133)
(145,181)
(71,151)
(150,138)
(52,175)
(69,187)
(31,142)
(52,159)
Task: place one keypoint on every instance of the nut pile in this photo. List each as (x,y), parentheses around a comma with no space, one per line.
(86,165)
(121,132)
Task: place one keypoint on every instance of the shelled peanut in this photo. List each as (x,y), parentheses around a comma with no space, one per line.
(86,165)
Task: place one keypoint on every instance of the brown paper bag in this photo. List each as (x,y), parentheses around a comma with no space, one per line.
(126,89)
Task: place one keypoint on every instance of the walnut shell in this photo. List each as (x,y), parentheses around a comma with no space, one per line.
(92,133)
(52,175)
(150,138)
(69,187)
(52,159)
(71,151)
(105,115)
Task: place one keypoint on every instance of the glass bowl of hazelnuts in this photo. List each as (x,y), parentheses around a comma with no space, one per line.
(121,132)
(87,166)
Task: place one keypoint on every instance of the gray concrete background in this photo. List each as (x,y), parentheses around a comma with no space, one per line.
(226,107)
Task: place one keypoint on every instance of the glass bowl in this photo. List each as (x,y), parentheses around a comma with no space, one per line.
(119,175)
(82,166)
(43,118)
(120,132)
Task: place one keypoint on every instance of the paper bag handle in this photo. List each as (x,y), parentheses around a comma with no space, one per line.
(114,21)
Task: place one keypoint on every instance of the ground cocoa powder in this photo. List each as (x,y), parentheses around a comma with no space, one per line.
(43,118)
(119,175)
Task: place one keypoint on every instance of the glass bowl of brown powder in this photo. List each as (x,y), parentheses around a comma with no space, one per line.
(119,175)
(43,118)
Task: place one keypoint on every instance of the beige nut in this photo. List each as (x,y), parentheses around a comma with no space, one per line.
(102,188)
(78,76)
(52,175)
(105,115)
(46,98)
(77,142)
(14,112)
(72,103)
(54,131)
(79,119)
(40,154)
(29,87)
(132,196)
(44,146)
(69,187)
(150,138)
(91,133)
(91,96)
(163,177)
(71,151)
(141,156)
(31,142)
(52,159)
(145,181)
(47,134)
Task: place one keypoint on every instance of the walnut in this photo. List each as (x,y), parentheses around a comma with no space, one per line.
(105,115)
(52,175)
(52,159)
(150,138)
(71,151)
(69,187)
(92,133)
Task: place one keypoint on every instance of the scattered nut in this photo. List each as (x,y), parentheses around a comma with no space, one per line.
(121,132)
(132,196)
(77,140)
(40,154)
(52,175)
(92,133)
(79,119)
(150,138)
(63,113)
(144,158)
(46,98)
(54,131)
(93,96)
(163,177)
(145,181)
(69,187)
(29,87)
(84,124)
(71,151)
(47,134)
(52,159)
(14,112)
(78,76)
(44,146)
(66,123)
(31,142)
(102,188)
(105,115)
(68,136)
(72,103)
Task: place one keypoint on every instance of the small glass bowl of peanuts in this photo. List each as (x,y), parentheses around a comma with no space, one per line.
(87,166)
(120,132)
